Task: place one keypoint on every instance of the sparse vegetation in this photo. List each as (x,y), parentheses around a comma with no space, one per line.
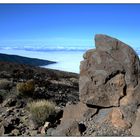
(41,110)
(26,89)
(20,85)
(5,84)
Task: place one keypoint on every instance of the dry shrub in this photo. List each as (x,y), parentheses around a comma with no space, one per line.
(41,110)
(5,84)
(26,89)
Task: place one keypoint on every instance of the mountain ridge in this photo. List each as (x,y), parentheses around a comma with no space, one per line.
(24,60)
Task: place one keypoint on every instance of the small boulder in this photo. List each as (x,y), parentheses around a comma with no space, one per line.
(45,127)
(10,102)
(72,116)
(15,132)
(117,119)
(2,130)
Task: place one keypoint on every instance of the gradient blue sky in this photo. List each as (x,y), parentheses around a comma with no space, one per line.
(67,25)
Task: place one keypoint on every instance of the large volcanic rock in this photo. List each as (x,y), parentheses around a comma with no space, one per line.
(109,83)
(106,71)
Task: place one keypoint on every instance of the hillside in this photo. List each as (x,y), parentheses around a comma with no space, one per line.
(49,85)
(24,60)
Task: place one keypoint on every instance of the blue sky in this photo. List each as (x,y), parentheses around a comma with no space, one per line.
(64,26)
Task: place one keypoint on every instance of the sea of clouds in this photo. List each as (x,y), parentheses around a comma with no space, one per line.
(46,48)
(68,57)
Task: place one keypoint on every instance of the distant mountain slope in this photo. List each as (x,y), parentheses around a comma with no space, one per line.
(24,60)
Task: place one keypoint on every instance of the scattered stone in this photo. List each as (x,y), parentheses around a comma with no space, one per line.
(5,74)
(33,133)
(45,127)
(16,119)
(15,132)
(11,101)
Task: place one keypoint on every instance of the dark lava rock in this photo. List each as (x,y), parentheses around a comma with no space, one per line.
(11,101)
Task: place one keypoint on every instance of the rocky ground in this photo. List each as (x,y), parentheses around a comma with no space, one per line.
(15,119)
